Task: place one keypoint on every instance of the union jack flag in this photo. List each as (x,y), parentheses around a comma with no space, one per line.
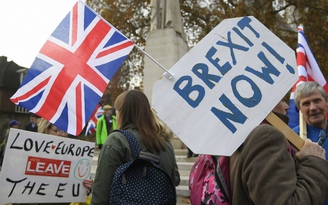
(308,70)
(71,71)
(91,126)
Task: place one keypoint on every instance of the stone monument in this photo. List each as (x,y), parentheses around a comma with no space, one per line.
(166,41)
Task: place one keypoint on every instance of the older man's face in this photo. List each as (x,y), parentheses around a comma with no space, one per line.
(314,109)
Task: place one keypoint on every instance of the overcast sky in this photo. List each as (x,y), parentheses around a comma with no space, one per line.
(25,25)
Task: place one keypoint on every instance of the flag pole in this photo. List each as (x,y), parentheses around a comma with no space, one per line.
(303,129)
(302,123)
(167,74)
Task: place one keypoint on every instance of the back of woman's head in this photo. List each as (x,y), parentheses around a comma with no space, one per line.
(133,107)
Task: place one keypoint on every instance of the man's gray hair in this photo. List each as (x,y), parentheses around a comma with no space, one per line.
(306,89)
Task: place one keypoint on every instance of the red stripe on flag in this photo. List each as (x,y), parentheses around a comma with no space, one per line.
(301,59)
(116,48)
(74,24)
(79,109)
(31,92)
(72,68)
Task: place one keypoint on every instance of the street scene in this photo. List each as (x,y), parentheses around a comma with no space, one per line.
(163,102)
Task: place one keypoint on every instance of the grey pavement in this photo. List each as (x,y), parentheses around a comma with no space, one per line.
(182,200)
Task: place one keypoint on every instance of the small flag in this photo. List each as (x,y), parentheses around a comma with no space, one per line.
(308,70)
(73,68)
(91,126)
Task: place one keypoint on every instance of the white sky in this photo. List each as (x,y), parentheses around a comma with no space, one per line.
(25,25)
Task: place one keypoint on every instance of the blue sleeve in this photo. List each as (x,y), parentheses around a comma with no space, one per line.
(297,129)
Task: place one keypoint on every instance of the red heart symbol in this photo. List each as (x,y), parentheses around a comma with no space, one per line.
(53,146)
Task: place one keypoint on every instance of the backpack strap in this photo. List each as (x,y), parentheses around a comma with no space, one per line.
(135,147)
(220,179)
(149,156)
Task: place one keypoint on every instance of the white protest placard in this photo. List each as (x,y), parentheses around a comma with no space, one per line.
(44,168)
(225,86)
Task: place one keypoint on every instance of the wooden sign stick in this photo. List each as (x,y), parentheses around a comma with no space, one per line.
(292,137)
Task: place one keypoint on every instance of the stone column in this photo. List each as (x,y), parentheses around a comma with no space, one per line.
(166,42)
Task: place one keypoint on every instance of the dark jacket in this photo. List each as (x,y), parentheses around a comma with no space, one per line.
(29,127)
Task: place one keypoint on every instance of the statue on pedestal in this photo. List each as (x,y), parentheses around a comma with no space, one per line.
(166,14)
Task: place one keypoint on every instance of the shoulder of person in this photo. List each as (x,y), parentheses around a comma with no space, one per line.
(116,140)
(265,132)
(264,127)
(263,141)
(169,145)
(117,136)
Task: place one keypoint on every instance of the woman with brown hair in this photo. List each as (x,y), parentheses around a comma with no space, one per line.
(133,113)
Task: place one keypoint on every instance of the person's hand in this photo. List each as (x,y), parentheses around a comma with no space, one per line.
(311,148)
(87,183)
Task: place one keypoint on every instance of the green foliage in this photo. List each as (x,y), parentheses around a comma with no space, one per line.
(282,17)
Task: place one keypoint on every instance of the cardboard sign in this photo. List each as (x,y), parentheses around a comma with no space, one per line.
(44,168)
(225,86)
